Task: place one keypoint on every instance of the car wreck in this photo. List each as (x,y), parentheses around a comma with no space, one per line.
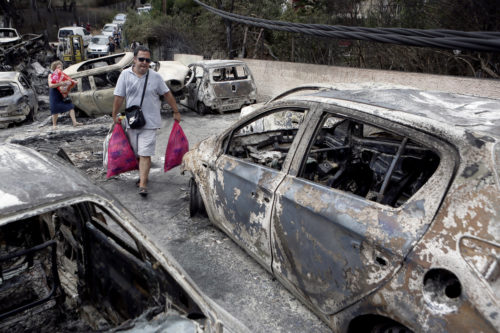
(18,100)
(73,259)
(14,49)
(378,208)
(220,86)
(97,78)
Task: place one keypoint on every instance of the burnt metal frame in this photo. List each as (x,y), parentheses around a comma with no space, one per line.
(30,254)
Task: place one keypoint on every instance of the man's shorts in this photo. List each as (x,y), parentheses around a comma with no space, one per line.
(143,141)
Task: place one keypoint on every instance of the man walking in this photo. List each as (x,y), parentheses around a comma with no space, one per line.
(130,86)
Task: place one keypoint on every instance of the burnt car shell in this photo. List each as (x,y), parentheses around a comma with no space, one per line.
(94,93)
(18,100)
(73,258)
(378,208)
(220,85)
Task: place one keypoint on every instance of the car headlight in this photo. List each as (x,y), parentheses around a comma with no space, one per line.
(483,257)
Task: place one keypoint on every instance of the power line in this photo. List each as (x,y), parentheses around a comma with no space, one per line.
(486,41)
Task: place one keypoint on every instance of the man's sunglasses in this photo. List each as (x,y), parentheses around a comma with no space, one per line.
(141,59)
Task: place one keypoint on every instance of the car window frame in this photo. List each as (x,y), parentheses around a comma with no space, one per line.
(447,153)
(224,139)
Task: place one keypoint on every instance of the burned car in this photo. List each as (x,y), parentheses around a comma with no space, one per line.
(378,208)
(97,78)
(73,259)
(9,37)
(18,100)
(220,85)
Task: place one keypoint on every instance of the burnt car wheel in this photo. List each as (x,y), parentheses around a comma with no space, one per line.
(201,108)
(196,205)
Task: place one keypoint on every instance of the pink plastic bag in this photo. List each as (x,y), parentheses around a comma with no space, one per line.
(121,157)
(176,148)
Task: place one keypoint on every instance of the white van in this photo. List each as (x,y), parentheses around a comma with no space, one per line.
(64,32)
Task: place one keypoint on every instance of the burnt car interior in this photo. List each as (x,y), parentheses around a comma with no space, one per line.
(229,73)
(76,269)
(266,140)
(368,161)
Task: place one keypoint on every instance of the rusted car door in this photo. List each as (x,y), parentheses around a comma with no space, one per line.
(246,176)
(231,81)
(104,93)
(83,99)
(334,246)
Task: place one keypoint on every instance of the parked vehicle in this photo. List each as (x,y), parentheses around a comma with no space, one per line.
(97,78)
(72,50)
(18,99)
(108,29)
(120,19)
(8,37)
(220,85)
(378,208)
(144,10)
(73,258)
(64,32)
(98,46)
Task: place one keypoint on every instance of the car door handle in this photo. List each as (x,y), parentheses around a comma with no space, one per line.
(211,166)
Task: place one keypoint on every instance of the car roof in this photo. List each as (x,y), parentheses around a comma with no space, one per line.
(476,114)
(31,179)
(8,75)
(218,63)
(127,58)
(100,36)
(70,27)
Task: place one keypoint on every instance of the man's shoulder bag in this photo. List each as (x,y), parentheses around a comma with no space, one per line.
(135,117)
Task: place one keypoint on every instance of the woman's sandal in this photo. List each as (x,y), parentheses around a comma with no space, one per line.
(143,191)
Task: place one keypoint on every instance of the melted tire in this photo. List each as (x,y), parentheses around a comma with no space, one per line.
(201,108)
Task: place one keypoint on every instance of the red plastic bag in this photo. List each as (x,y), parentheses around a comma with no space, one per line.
(177,146)
(121,157)
(60,76)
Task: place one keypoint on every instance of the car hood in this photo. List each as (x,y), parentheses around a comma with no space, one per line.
(98,47)
(173,73)
(21,166)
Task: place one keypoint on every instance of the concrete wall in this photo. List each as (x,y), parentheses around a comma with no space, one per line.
(273,77)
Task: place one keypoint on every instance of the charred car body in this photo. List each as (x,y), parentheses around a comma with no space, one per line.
(97,78)
(220,85)
(73,259)
(378,208)
(14,48)
(18,100)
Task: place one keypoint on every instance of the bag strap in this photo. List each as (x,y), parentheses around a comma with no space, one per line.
(144,90)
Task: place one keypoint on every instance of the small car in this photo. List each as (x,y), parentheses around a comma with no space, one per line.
(64,32)
(119,19)
(72,258)
(378,208)
(108,29)
(9,37)
(97,78)
(220,85)
(18,99)
(98,46)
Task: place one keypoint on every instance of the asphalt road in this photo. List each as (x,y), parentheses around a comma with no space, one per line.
(221,268)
